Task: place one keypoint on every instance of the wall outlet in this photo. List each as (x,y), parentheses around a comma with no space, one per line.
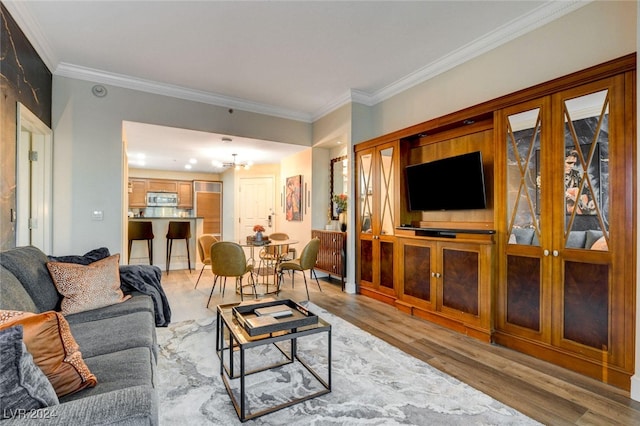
(97,215)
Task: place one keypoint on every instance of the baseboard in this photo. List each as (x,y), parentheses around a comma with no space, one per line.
(635,387)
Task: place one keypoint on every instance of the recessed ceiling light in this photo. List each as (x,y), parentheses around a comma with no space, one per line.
(187,166)
(193,161)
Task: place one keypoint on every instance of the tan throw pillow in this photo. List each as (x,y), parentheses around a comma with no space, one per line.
(87,287)
(48,339)
(600,244)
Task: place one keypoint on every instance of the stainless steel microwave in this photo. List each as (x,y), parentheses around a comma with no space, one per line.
(162,199)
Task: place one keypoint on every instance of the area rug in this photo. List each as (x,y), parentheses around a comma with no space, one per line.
(373,383)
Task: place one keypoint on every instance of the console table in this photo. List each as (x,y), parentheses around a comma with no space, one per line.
(332,257)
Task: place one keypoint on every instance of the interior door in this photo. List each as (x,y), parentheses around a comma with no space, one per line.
(256,205)
(34,178)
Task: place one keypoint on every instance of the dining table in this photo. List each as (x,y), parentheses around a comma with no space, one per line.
(272,267)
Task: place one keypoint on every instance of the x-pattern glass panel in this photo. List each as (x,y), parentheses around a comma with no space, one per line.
(366,192)
(386,191)
(586,171)
(523,177)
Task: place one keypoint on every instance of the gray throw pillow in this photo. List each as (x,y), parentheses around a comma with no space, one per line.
(24,386)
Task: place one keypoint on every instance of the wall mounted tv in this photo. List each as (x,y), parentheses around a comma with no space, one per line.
(453,183)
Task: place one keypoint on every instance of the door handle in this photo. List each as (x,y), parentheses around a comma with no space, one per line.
(269,221)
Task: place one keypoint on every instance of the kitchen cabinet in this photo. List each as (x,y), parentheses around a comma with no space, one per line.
(332,253)
(137,193)
(377,187)
(565,286)
(185,194)
(162,185)
(448,281)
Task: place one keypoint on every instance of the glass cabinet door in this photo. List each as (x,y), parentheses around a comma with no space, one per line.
(521,285)
(582,270)
(387,196)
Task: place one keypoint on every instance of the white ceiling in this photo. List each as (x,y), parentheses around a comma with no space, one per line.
(292,59)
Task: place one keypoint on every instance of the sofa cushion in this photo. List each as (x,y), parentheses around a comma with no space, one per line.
(13,296)
(86,287)
(592,236)
(115,334)
(50,342)
(138,302)
(119,370)
(24,386)
(136,405)
(523,236)
(29,265)
(577,239)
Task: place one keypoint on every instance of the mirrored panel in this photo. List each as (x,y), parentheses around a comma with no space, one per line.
(339,182)
(386,192)
(366,192)
(586,171)
(523,177)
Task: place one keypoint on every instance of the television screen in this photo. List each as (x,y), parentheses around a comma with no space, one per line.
(453,183)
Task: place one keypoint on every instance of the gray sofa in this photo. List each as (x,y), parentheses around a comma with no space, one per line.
(117,342)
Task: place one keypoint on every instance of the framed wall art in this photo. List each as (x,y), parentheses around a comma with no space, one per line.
(293,198)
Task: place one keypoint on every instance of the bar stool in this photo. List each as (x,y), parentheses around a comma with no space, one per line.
(140,231)
(178,231)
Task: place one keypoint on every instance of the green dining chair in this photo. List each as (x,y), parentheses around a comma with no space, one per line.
(305,262)
(228,260)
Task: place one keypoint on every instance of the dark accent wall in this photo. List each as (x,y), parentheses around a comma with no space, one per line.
(26,79)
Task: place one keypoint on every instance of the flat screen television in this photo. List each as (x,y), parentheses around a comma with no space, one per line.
(453,183)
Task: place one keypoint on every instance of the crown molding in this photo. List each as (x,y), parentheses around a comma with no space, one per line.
(544,14)
(33,32)
(128,82)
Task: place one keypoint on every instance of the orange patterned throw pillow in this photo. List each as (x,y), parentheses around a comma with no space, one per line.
(87,287)
(48,339)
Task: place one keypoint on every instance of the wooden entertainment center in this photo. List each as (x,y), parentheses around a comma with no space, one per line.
(546,268)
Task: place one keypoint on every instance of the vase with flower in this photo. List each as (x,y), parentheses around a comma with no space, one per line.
(258,229)
(340,200)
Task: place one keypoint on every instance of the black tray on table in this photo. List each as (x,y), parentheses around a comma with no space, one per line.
(255,324)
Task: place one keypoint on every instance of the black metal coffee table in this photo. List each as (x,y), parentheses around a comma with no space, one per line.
(235,339)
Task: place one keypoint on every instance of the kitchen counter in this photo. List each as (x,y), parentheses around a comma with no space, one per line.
(166,217)
(160,226)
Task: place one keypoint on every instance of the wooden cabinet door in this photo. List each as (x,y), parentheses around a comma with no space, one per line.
(185,194)
(563,288)
(137,193)
(463,283)
(377,189)
(162,185)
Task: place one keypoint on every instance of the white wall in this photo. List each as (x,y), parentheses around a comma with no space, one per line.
(593,34)
(88,171)
(298,164)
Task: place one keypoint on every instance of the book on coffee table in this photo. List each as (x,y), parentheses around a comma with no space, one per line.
(277,311)
(261,321)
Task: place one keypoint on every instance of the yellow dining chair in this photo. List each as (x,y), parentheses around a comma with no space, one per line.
(204,249)
(228,260)
(305,262)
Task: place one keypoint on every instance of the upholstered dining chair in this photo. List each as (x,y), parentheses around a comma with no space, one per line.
(204,249)
(228,260)
(305,262)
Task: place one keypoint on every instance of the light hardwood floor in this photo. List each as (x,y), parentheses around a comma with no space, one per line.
(547,393)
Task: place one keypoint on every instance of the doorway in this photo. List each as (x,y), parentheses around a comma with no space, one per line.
(34,177)
(256,205)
